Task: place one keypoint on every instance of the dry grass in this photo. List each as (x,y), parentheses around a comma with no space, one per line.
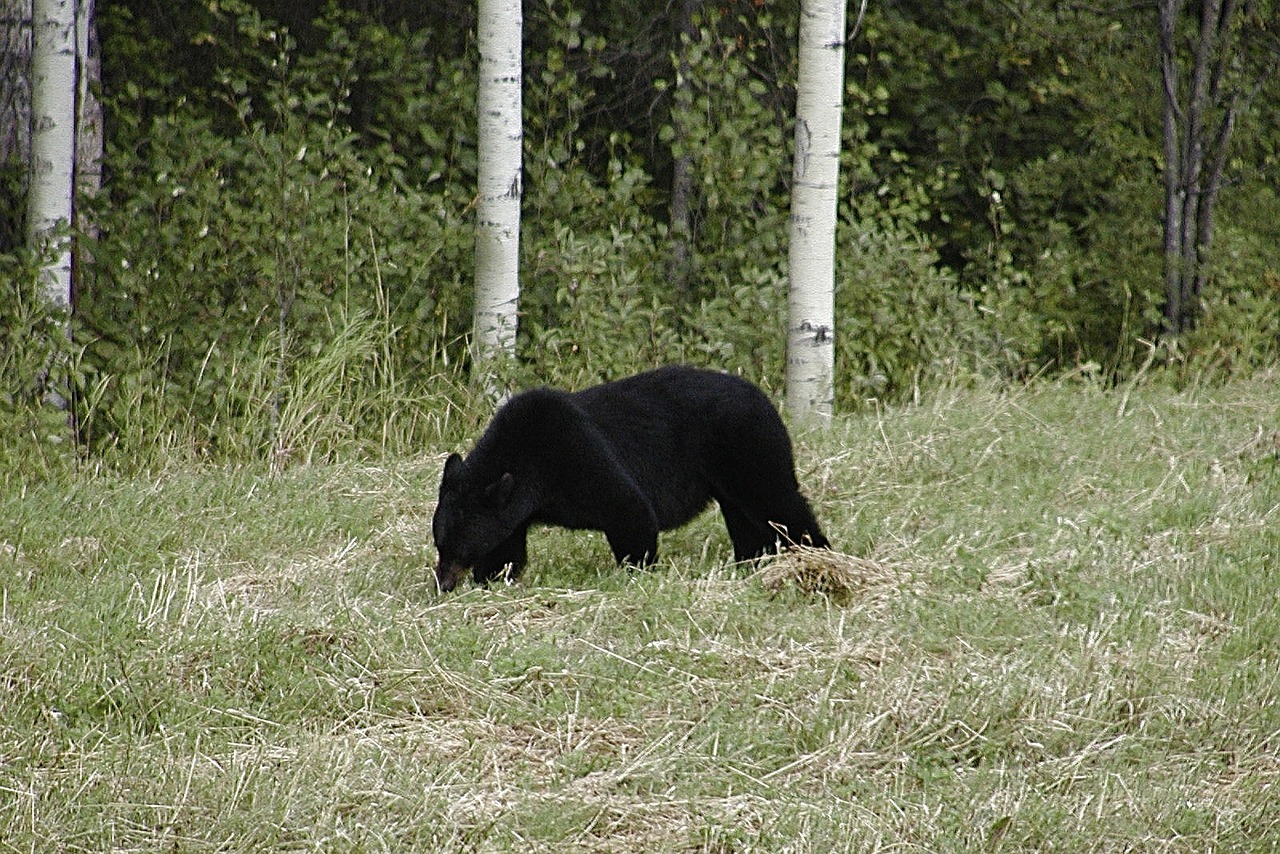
(825,572)
(1060,635)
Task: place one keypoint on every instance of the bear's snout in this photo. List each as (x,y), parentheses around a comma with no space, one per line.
(448,574)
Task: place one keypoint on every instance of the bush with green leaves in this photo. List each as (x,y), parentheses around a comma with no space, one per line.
(1240,329)
(245,243)
(32,332)
(36,361)
(900,320)
(598,299)
(731,120)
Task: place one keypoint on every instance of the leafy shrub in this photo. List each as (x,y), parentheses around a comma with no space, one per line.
(900,319)
(1240,327)
(36,360)
(33,337)
(603,320)
(242,235)
(731,121)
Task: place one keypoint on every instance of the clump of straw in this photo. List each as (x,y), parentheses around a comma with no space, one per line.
(838,576)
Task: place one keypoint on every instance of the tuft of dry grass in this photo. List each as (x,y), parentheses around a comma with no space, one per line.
(840,577)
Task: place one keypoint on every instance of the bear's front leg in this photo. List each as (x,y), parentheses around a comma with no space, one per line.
(621,510)
(506,561)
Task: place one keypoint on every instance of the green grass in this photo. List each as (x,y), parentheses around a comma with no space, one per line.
(1073,644)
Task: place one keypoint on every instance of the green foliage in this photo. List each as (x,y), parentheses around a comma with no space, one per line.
(725,121)
(284,261)
(33,336)
(901,322)
(601,324)
(36,360)
(1240,327)
(1040,121)
(1088,296)
(207,320)
(596,300)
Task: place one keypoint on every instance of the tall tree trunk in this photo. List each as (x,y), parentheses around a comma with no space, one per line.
(811,303)
(53,100)
(1173,272)
(51,193)
(497,290)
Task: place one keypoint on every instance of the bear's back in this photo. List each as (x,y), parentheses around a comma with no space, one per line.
(675,392)
(678,429)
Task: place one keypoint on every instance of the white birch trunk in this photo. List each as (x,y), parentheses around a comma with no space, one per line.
(811,303)
(53,109)
(497,291)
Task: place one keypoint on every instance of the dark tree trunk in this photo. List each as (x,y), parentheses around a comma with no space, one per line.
(1172,168)
(682,165)
(15,118)
(1200,117)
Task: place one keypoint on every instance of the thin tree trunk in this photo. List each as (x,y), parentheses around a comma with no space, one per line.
(811,303)
(1196,158)
(1193,155)
(682,163)
(1217,152)
(1173,272)
(1209,199)
(497,289)
(89,139)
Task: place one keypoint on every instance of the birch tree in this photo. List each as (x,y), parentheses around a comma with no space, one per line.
(497,288)
(810,304)
(53,109)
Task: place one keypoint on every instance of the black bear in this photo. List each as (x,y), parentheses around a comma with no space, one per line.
(630,458)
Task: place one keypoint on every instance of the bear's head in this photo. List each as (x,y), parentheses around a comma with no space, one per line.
(475,514)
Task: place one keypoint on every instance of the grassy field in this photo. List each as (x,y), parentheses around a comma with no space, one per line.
(1063,633)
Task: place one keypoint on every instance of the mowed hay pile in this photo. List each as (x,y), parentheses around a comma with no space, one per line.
(840,577)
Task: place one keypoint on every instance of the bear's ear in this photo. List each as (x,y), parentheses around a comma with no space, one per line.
(499,492)
(452,467)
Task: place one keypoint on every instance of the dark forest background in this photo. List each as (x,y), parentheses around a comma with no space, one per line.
(283,241)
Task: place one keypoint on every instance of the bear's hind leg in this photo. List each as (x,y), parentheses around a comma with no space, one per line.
(752,475)
(750,538)
(795,516)
(634,546)
(761,529)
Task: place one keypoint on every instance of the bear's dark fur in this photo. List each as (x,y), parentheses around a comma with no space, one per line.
(630,458)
